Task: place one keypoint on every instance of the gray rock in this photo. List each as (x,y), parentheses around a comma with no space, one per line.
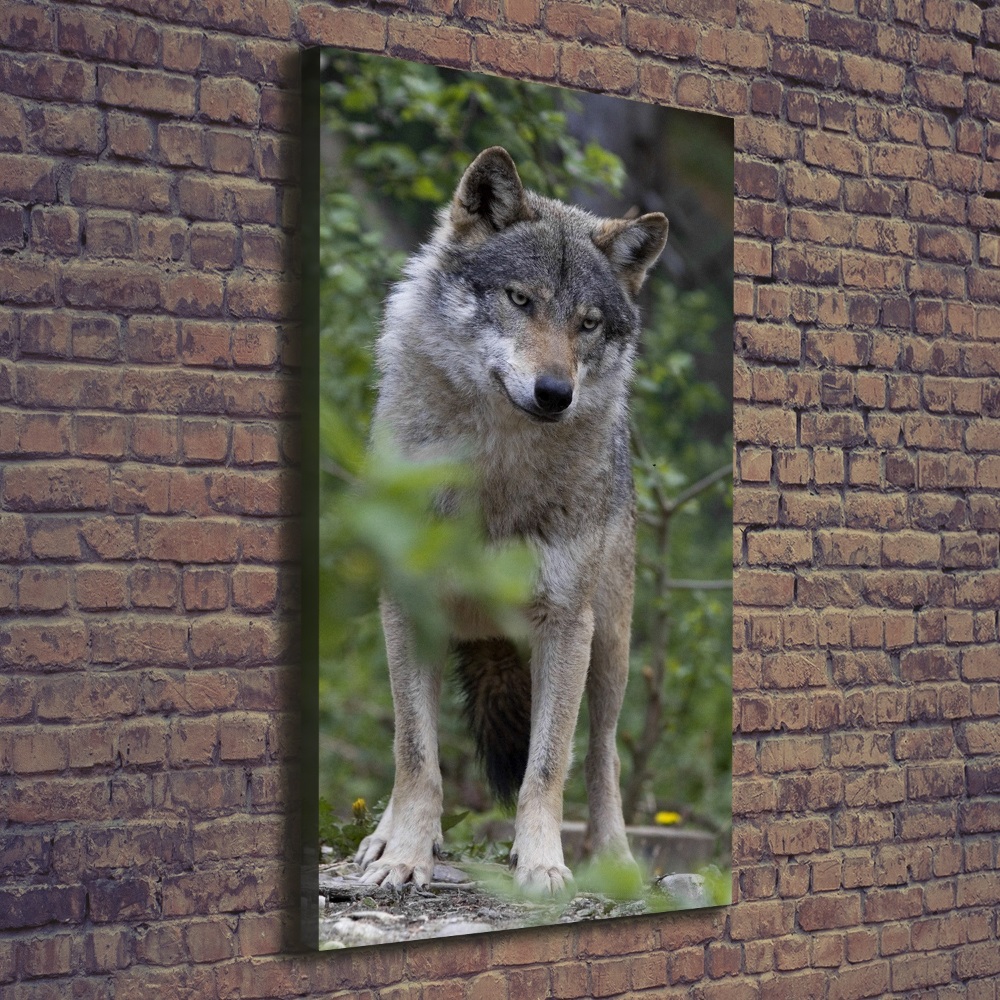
(688,891)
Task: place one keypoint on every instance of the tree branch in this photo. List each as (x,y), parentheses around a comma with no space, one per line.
(698,584)
(699,487)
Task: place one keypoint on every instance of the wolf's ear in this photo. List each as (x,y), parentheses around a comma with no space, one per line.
(633,246)
(490,196)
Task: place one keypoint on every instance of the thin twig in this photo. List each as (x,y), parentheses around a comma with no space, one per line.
(641,748)
(643,455)
(699,487)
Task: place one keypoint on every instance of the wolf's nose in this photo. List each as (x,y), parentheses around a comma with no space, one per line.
(553,395)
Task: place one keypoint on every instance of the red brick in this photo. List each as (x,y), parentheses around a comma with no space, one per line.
(209,197)
(259,297)
(110,234)
(524,12)
(154,438)
(230,152)
(753,921)
(255,588)
(255,444)
(37,906)
(279,109)
(940,90)
(229,100)
(101,588)
(147,90)
(829,910)
(256,346)
(182,145)
(686,965)
(113,900)
(182,540)
(230,639)
(37,750)
(867,980)
(804,62)
(25,26)
(841,32)
(193,294)
(133,640)
(46,76)
(444,45)
(205,589)
(69,485)
(794,670)
(242,736)
(755,465)
(76,131)
(872,76)
(767,341)
(581,22)
(734,49)
(204,440)
(649,33)
(361,29)
(977,960)
(154,587)
(694,90)
(522,55)
(88,33)
(41,434)
(182,50)
(756,180)
(160,239)
(616,73)
(264,249)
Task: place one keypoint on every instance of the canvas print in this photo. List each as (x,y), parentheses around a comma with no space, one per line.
(523,420)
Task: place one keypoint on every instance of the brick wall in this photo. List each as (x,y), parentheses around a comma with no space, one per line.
(147,532)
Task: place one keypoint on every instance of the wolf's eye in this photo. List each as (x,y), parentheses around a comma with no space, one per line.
(590,323)
(518,298)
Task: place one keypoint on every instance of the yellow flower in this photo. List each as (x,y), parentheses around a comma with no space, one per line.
(667,818)
(359,808)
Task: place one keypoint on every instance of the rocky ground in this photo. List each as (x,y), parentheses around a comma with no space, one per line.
(464,900)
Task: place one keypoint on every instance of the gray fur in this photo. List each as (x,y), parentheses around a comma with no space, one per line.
(510,342)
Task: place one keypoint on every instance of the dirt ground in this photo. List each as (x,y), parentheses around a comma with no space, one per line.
(460,901)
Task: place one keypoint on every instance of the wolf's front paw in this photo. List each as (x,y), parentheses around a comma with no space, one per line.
(541,881)
(395,870)
(542,878)
(393,859)
(402,847)
(369,850)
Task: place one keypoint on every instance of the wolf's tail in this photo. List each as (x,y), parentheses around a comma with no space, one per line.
(496,690)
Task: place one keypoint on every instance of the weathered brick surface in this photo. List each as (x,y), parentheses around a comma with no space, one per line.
(147,522)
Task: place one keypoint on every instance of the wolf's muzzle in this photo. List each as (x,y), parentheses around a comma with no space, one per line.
(552,395)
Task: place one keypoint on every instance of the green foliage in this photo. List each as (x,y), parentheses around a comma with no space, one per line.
(383,534)
(607,876)
(398,136)
(356,270)
(689,769)
(718,884)
(344,838)
(410,130)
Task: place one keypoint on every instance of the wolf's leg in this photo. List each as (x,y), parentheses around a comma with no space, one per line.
(402,847)
(606,682)
(561,649)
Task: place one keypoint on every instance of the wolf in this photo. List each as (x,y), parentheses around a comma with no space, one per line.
(510,341)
